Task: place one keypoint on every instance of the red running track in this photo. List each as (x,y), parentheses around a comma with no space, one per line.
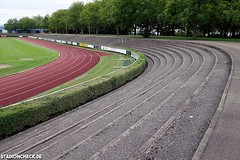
(71,63)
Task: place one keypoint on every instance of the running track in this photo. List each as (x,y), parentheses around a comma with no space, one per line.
(71,63)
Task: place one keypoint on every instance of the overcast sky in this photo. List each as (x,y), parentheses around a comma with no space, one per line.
(20,8)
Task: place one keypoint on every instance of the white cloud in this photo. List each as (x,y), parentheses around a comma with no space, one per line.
(21,8)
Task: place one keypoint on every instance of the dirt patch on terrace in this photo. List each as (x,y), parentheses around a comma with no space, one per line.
(26,59)
(4,66)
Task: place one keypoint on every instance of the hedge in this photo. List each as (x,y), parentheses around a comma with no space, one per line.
(17,118)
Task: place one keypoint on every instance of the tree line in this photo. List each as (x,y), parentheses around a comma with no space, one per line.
(146,17)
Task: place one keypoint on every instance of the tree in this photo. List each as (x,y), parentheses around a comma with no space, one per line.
(235,25)
(195,16)
(193,13)
(124,15)
(38,21)
(73,18)
(228,16)
(45,22)
(58,21)
(90,16)
(12,24)
(172,14)
(106,20)
(161,18)
(208,17)
(27,23)
(146,15)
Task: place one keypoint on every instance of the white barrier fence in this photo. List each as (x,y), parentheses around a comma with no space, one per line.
(122,51)
(105,48)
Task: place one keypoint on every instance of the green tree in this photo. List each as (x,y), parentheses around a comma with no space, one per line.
(228,16)
(38,21)
(12,24)
(208,17)
(146,15)
(161,18)
(90,17)
(235,25)
(73,18)
(172,14)
(45,22)
(106,20)
(193,14)
(124,15)
(58,21)
(27,23)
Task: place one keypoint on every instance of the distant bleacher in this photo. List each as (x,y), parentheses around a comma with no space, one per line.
(92,39)
(15,34)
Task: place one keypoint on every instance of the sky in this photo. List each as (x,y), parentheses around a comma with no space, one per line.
(22,8)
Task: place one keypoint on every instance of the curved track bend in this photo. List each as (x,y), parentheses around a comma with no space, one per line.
(71,63)
(163,114)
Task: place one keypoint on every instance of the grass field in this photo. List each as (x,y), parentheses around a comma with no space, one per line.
(20,56)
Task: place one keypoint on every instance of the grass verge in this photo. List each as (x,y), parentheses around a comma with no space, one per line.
(107,64)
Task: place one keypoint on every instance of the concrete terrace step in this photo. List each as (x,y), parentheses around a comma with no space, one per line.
(221,140)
